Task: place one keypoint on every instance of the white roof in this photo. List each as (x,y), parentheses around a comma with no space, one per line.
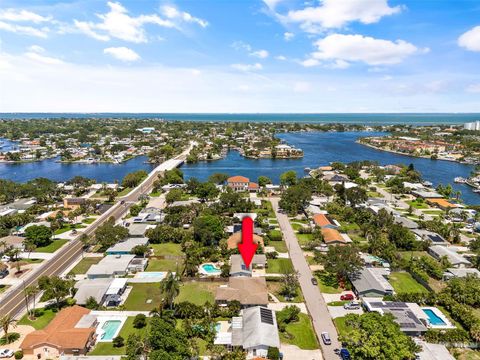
(116,285)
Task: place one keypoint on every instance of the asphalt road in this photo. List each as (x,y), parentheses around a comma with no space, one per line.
(316,305)
(13,301)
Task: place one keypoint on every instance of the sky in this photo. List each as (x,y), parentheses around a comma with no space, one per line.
(240,56)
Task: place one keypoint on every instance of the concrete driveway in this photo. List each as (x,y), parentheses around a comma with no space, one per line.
(339,311)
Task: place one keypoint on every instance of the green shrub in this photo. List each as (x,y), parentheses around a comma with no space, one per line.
(18,354)
(140,321)
(118,341)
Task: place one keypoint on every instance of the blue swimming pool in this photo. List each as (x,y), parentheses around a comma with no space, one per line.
(151,274)
(211,269)
(433,318)
(110,328)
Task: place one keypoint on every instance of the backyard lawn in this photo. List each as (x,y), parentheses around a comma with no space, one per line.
(84,264)
(173,265)
(403,282)
(279,266)
(198,292)
(52,247)
(302,334)
(106,348)
(44,316)
(167,249)
(140,294)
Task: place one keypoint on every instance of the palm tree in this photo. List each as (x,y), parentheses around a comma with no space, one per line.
(31,292)
(170,288)
(5,322)
(29,247)
(3,245)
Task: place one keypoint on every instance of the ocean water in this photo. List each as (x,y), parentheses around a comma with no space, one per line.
(347,118)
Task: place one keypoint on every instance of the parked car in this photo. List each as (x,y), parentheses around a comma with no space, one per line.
(326,338)
(347,297)
(6,353)
(4,273)
(352,305)
(345,354)
(314,281)
(5,258)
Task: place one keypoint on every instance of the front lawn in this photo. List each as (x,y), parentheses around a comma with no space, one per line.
(304,239)
(280,246)
(279,266)
(140,294)
(417,204)
(328,283)
(68,227)
(52,247)
(342,328)
(173,265)
(403,282)
(275,287)
(43,318)
(124,192)
(107,348)
(84,264)
(167,249)
(89,220)
(198,292)
(300,333)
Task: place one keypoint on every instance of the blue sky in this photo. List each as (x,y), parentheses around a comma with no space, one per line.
(240,56)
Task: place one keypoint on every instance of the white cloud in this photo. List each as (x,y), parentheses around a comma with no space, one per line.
(281,57)
(310,62)
(262,54)
(247,67)
(117,23)
(272,4)
(242,46)
(122,53)
(342,48)
(338,13)
(35,53)
(173,13)
(473,88)
(24,30)
(288,36)
(471,39)
(22,16)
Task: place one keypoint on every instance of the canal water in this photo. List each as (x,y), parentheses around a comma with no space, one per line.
(320,148)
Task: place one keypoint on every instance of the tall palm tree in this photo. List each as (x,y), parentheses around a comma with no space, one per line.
(5,322)
(170,288)
(29,247)
(3,245)
(31,292)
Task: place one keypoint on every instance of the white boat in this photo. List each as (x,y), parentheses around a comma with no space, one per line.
(460,180)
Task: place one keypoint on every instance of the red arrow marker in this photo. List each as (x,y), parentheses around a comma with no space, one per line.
(247,247)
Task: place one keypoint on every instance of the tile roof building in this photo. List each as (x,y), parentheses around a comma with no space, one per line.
(61,336)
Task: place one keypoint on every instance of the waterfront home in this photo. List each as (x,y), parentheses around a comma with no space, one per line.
(255,330)
(105,291)
(441,203)
(332,237)
(126,247)
(408,316)
(249,291)
(324,221)
(238,267)
(241,183)
(371,282)
(457,260)
(461,273)
(116,266)
(61,336)
(426,194)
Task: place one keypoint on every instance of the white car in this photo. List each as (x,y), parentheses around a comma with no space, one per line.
(6,353)
(5,258)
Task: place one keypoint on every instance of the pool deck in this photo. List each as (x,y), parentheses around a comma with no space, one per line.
(203,272)
(105,317)
(436,311)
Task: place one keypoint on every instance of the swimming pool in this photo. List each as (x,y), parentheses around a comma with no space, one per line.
(211,269)
(151,274)
(110,328)
(433,318)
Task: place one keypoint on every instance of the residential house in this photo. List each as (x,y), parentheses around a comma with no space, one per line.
(255,330)
(441,203)
(426,194)
(13,241)
(238,267)
(126,247)
(236,238)
(61,336)
(105,291)
(457,260)
(241,183)
(371,282)
(136,230)
(249,291)
(433,237)
(324,221)
(405,222)
(333,237)
(407,315)
(460,273)
(116,266)
(73,202)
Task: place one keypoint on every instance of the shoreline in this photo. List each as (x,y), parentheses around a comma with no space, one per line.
(410,155)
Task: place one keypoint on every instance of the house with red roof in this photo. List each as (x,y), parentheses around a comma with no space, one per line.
(242,183)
